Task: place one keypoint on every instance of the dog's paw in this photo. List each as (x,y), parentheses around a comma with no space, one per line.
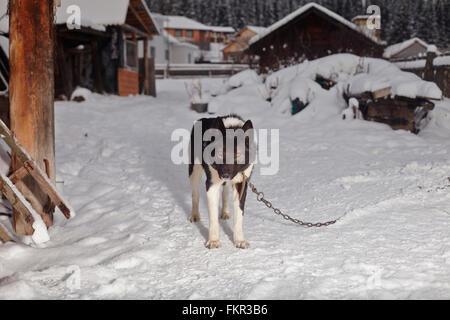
(225,215)
(195,217)
(242,244)
(213,244)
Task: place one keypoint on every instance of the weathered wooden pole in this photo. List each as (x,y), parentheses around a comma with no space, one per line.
(146,68)
(32,98)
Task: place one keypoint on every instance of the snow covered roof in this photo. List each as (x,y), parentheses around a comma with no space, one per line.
(257,30)
(307,7)
(222,29)
(399,47)
(97,12)
(175,41)
(361,17)
(182,22)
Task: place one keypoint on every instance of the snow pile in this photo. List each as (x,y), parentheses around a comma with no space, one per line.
(360,75)
(351,74)
(246,77)
(81,94)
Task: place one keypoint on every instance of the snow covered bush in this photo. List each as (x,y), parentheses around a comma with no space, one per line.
(81,94)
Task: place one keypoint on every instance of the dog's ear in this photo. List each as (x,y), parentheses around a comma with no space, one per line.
(218,124)
(247,125)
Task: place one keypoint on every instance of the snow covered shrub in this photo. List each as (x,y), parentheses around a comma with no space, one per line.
(199,98)
(81,94)
(352,112)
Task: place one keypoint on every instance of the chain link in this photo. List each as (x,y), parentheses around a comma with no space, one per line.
(260,198)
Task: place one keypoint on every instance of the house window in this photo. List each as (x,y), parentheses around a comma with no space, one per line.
(219,39)
(189,34)
(131,55)
(178,33)
(152,52)
(167,54)
(189,58)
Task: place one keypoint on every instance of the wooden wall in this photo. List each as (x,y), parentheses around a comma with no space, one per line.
(128,82)
(310,36)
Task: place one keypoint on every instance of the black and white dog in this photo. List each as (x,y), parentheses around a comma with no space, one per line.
(231,147)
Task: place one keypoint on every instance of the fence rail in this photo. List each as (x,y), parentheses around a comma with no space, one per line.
(198,70)
(430,68)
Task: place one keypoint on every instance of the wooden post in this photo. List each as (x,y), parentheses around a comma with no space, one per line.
(97,67)
(146,70)
(32,98)
(152,79)
(429,67)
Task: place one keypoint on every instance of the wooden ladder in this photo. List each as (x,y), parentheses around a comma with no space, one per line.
(29,168)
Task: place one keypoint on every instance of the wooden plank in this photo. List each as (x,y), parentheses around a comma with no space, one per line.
(30,168)
(18,175)
(381,93)
(128,82)
(18,206)
(4,236)
(12,142)
(47,187)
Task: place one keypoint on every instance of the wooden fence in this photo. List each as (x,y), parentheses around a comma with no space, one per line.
(198,70)
(433,68)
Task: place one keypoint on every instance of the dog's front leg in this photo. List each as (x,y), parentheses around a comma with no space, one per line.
(213,194)
(238,208)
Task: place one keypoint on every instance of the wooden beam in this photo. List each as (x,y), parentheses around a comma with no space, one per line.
(19,208)
(138,18)
(4,236)
(146,70)
(97,67)
(32,98)
(132,29)
(152,79)
(18,175)
(66,74)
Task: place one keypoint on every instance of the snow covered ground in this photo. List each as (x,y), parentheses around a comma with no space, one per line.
(131,237)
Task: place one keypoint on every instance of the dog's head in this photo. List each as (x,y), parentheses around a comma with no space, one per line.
(237,150)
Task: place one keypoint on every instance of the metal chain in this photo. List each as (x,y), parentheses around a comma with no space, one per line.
(260,198)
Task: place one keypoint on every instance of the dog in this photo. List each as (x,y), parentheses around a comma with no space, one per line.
(222,173)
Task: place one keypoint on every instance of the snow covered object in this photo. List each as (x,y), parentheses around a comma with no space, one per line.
(373,89)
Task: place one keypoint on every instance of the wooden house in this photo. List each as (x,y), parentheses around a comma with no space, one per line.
(189,30)
(234,52)
(101,53)
(310,32)
(412,48)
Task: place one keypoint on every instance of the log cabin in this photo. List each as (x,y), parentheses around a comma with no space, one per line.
(102,53)
(234,52)
(310,32)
